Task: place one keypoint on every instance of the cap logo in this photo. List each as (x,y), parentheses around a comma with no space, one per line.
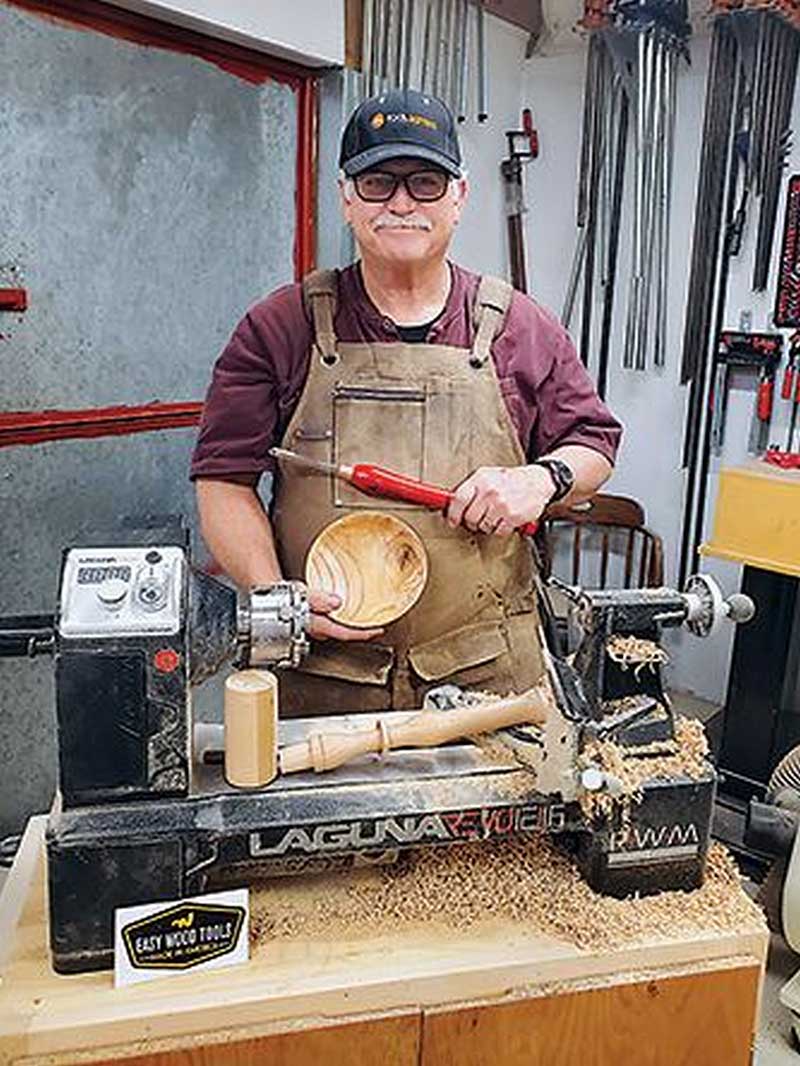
(377,120)
(412,120)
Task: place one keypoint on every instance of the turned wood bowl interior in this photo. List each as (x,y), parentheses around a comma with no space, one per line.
(375,562)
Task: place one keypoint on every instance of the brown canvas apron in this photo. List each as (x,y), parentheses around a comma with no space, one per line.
(434,412)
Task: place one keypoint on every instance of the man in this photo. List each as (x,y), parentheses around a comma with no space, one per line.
(409,361)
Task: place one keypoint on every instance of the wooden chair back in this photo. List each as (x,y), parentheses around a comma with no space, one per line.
(608,526)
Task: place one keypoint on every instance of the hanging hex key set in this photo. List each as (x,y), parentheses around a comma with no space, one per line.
(631,71)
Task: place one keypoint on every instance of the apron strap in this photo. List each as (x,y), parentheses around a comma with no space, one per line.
(320,297)
(491,305)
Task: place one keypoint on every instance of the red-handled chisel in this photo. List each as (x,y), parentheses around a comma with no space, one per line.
(377,481)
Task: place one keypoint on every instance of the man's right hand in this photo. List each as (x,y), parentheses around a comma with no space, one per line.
(323,628)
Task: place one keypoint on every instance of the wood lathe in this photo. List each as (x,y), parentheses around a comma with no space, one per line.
(144,812)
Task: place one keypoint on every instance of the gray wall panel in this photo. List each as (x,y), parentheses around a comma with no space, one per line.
(146,199)
(53,495)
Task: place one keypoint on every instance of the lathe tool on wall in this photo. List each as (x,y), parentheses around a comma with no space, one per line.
(773,95)
(631,69)
(724,112)
(436,46)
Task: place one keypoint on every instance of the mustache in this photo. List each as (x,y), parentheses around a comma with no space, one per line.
(393,222)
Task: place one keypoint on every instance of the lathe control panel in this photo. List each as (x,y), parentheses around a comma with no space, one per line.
(121,592)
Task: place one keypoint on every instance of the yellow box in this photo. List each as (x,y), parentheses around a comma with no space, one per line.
(757,518)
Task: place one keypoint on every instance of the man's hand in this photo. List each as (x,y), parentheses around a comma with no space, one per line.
(498,499)
(323,628)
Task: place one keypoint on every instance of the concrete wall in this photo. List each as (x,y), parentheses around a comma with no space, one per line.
(146,199)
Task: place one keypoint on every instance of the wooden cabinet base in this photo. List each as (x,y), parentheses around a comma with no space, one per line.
(373,1042)
(696,1020)
(501,995)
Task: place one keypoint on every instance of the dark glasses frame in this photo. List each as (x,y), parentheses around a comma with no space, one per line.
(402,179)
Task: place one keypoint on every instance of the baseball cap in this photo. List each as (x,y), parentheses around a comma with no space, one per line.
(400,124)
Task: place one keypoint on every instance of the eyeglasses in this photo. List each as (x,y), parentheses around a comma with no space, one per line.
(379,186)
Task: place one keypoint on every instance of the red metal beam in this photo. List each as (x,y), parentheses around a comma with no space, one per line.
(33,427)
(305,241)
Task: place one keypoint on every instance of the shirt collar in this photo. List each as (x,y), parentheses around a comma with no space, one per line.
(353,289)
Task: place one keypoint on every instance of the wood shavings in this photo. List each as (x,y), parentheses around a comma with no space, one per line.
(629,703)
(632,650)
(526,880)
(493,748)
(687,757)
(518,783)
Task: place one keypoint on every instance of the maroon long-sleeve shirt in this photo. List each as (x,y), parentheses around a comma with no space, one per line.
(259,377)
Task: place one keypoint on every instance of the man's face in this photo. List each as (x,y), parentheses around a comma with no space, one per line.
(403,229)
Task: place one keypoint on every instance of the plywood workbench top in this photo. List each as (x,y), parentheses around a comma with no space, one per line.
(499,993)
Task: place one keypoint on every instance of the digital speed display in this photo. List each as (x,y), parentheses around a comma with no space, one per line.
(95,575)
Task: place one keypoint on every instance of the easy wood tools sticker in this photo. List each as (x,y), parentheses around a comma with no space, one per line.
(157,939)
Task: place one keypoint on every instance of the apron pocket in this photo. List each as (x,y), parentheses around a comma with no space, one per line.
(361,664)
(381,425)
(461,649)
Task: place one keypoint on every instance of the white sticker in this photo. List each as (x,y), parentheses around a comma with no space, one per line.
(186,935)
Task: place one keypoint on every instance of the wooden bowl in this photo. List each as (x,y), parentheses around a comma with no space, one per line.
(375,562)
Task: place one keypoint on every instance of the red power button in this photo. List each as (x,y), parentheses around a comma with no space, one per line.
(166,660)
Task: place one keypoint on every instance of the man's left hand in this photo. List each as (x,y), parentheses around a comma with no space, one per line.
(498,499)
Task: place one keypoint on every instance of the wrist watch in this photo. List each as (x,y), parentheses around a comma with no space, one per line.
(562,475)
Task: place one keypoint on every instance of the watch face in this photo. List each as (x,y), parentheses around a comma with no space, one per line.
(562,475)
